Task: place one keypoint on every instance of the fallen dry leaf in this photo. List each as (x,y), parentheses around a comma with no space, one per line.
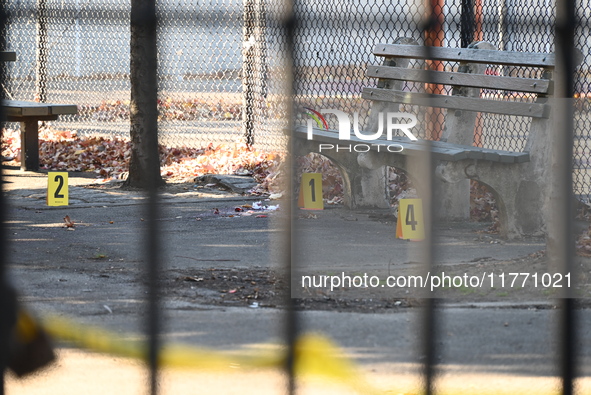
(308,216)
(69,223)
(193,279)
(109,158)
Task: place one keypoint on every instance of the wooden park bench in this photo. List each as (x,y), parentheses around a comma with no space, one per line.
(29,114)
(518,180)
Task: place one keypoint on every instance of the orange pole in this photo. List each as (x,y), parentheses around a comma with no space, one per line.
(435,37)
(478,20)
(478,37)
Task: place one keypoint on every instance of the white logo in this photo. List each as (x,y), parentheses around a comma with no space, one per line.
(392,121)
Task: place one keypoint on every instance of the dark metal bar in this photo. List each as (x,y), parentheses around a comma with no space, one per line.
(429,348)
(144,25)
(153,268)
(7,307)
(564,134)
(432,33)
(467,23)
(289,24)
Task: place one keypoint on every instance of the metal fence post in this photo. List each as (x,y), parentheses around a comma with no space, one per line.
(41,55)
(248,89)
(254,66)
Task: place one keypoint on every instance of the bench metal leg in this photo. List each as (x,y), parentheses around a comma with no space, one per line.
(30,145)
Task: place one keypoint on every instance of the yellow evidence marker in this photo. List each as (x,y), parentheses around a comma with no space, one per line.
(310,197)
(57,188)
(410,225)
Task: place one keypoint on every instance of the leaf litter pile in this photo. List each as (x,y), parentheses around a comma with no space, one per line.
(168,109)
(109,158)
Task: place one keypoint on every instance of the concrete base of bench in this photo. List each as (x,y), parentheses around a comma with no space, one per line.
(353,175)
(519,188)
(520,197)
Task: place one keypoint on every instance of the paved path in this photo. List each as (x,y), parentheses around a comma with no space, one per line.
(66,272)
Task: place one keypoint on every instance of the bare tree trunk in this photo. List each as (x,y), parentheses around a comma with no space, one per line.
(144,166)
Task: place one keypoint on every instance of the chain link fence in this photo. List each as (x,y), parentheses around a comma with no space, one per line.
(214,68)
(335,43)
(220,63)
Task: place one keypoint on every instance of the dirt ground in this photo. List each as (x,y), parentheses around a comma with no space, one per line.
(522,282)
(265,288)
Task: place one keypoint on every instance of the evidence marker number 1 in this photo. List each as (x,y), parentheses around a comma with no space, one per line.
(57,188)
(310,197)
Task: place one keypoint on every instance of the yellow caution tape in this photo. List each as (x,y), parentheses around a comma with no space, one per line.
(314,354)
(180,356)
(26,326)
(317,355)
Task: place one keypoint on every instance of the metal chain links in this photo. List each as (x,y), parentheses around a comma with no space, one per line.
(220,63)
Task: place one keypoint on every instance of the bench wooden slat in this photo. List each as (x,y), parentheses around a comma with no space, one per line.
(17,108)
(23,109)
(460,79)
(492,156)
(514,157)
(64,109)
(535,110)
(475,152)
(441,150)
(7,56)
(467,55)
(479,153)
